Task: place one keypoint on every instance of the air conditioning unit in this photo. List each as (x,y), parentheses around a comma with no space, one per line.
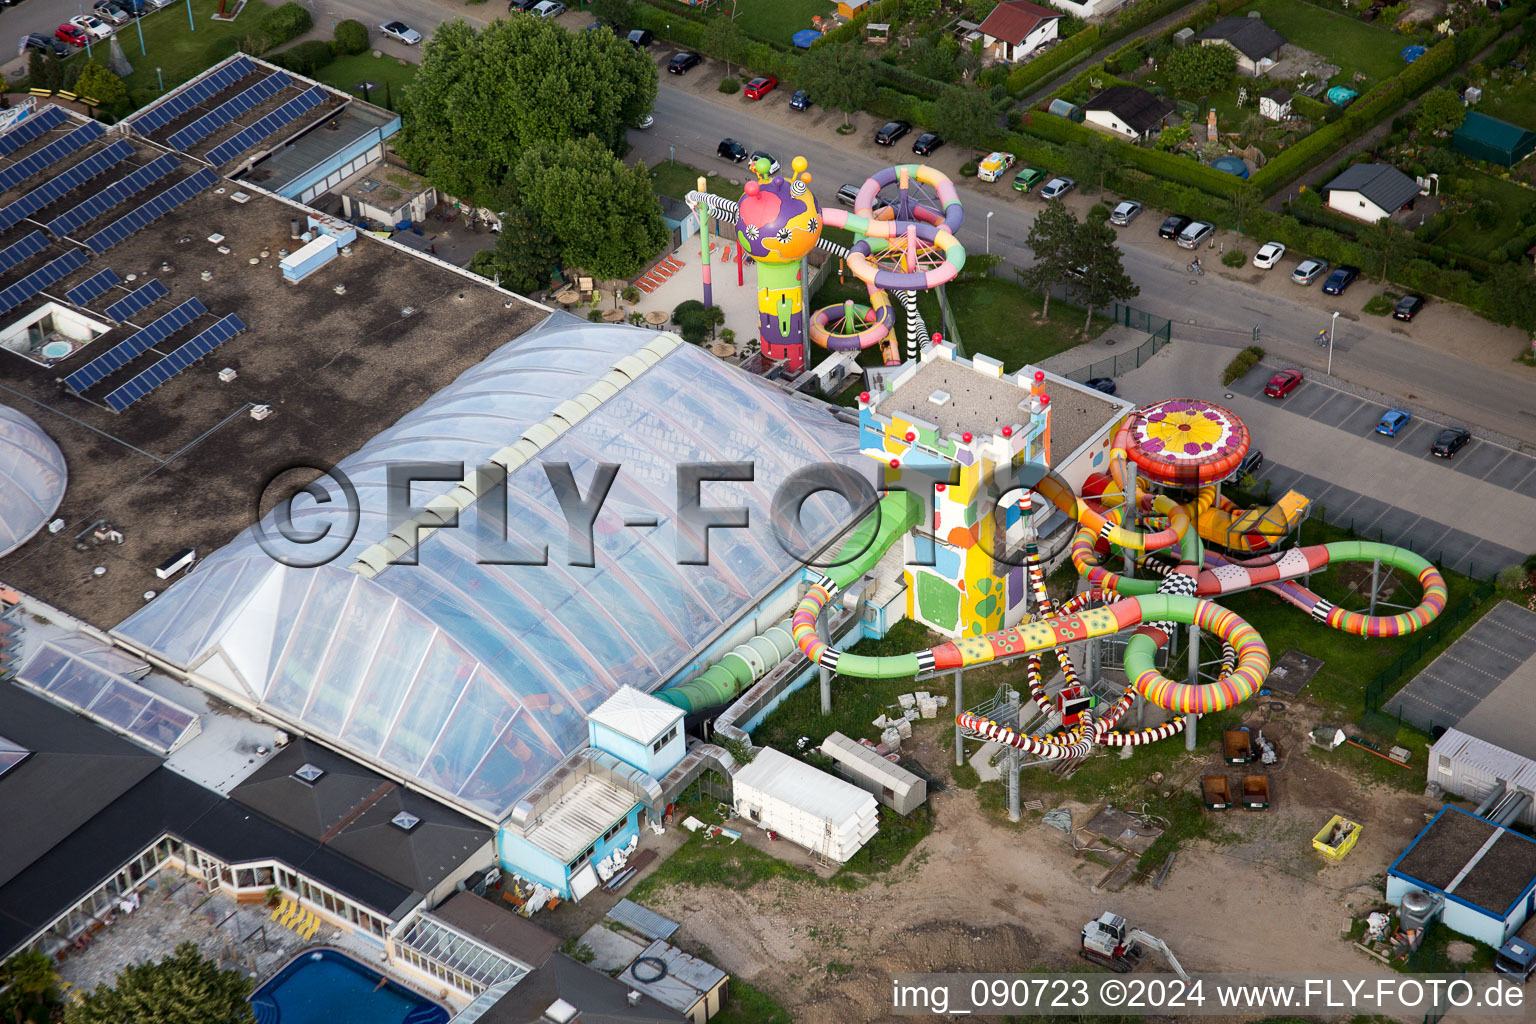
(227,374)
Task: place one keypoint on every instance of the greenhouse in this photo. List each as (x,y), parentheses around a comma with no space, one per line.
(471,677)
(32,478)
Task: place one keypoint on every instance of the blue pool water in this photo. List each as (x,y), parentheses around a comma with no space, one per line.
(326,987)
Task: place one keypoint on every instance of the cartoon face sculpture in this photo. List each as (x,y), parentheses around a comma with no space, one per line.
(779,220)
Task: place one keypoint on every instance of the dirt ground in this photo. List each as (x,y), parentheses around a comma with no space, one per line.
(982,895)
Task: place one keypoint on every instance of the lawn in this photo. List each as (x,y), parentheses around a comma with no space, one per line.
(1481,236)
(996,317)
(1513,100)
(676,180)
(777,20)
(170,47)
(1342,39)
(386,73)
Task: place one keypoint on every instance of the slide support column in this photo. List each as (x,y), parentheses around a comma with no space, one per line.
(959,706)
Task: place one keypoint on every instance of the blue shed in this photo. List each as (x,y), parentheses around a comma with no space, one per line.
(1484,872)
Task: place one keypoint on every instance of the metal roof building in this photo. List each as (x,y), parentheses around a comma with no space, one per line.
(887,782)
(691,986)
(1488,138)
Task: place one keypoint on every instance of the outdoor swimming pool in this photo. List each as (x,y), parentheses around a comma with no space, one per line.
(326,987)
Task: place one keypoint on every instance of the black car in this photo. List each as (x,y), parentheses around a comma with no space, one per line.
(42,44)
(1408,307)
(1251,464)
(1104,384)
(801,100)
(1173,225)
(521,5)
(640,38)
(1450,441)
(891,131)
(732,150)
(681,62)
(926,143)
(1340,279)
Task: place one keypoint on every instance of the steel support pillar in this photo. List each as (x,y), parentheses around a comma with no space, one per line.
(1375,582)
(824,631)
(959,706)
(1012,769)
(1190,721)
(1129,518)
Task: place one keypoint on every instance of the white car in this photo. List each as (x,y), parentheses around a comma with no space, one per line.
(761,154)
(1268,255)
(95,27)
(401,31)
(549,9)
(646,121)
(157,4)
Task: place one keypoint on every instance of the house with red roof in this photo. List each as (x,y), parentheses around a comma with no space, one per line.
(1017,28)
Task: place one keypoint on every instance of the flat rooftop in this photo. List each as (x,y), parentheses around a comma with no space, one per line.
(186,466)
(1442,852)
(339,126)
(580,817)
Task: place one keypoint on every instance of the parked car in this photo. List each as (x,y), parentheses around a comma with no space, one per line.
(1450,441)
(1283,383)
(1308,270)
(1340,279)
(760,86)
(1251,464)
(646,121)
(926,143)
(521,5)
(1028,178)
(92,26)
(762,154)
(682,63)
(889,132)
(1268,255)
(1392,421)
(992,167)
(1173,225)
(1408,307)
(549,9)
(801,100)
(1104,384)
(107,10)
(40,43)
(848,195)
(399,30)
(1057,187)
(640,38)
(1126,212)
(1194,234)
(732,150)
(72,34)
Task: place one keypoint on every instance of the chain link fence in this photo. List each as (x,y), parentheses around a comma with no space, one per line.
(1158,332)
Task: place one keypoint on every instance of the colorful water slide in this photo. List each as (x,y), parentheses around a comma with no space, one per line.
(1248,530)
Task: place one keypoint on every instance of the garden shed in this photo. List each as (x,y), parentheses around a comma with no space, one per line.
(805,805)
(1487,138)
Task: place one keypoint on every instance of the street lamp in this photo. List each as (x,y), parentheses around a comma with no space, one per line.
(1331,324)
(989,231)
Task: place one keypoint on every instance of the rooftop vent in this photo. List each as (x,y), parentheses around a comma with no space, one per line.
(215,238)
(405,821)
(309,773)
(939,398)
(240,197)
(561,1012)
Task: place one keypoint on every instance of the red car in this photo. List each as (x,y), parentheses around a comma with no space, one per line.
(72,34)
(1282,383)
(760,87)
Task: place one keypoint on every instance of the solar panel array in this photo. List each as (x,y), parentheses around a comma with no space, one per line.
(226,112)
(64,183)
(30,129)
(130,348)
(87,290)
(151,211)
(49,155)
(248,137)
(41,278)
(175,363)
(113,194)
(25,249)
(190,97)
(136,300)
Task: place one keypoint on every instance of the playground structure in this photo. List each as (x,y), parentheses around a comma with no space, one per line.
(905,246)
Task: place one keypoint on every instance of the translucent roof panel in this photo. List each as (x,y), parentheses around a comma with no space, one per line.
(32,478)
(474,675)
(11,754)
(98,681)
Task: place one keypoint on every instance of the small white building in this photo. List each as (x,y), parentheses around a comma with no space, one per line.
(1256,44)
(1130,112)
(693,987)
(1275,103)
(888,782)
(805,805)
(1017,28)
(1371,192)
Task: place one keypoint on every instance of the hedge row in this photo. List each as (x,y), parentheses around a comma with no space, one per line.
(688,32)
(1026,76)
(1154,161)
(910,81)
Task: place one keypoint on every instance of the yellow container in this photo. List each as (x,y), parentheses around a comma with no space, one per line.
(1343,833)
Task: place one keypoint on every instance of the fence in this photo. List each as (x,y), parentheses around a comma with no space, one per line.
(1158,331)
(1385,682)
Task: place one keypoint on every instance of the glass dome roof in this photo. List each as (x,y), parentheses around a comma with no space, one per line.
(32,478)
(474,678)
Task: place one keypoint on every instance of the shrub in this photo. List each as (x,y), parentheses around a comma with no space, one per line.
(729,86)
(1244,361)
(1024,77)
(305,58)
(351,37)
(220,49)
(1234,258)
(281,24)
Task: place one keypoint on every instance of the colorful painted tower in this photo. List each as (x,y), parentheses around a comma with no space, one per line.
(778,225)
(958,420)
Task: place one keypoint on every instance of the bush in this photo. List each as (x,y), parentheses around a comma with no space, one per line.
(1024,77)
(220,49)
(1245,360)
(306,58)
(283,23)
(351,37)
(1234,258)
(729,86)
(1312,110)
(690,321)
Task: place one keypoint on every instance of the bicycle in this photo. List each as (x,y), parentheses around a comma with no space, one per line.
(1322,338)
(1196,269)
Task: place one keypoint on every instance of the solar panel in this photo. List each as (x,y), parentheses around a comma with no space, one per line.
(245,139)
(25,249)
(87,290)
(130,348)
(49,155)
(183,357)
(229,110)
(41,278)
(65,183)
(29,129)
(113,194)
(151,211)
(136,300)
(191,96)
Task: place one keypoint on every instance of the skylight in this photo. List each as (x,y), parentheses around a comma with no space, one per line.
(309,773)
(11,754)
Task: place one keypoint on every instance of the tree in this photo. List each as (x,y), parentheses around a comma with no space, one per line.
(1512,296)
(350,37)
(1051,239)
(183,988)
(1440,110)
(614,12)
(969,115)
(1101,276)
(840,77)
(1390,243)
(918,10)
(1093,160)
(1200,69)
(28,987)
(480,100)
(525,254)
(101,85)
(688,317)
(45,71)
(1243,198)
(725,39)
(714,318)
(1172,137)
(601,210)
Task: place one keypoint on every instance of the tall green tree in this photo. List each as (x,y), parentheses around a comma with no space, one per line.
(1512,294)
(1244,199)
(1093,159)
(840,77)
(1200,69)
(183,988)
(1101,276)
(1441,110)
(1051,239)
(614,12)
(525,254)
(482,99)
(602,211)
(969,115)
(1388,242)
(725,40)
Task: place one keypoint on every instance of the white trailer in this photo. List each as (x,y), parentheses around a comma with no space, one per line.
(805,805)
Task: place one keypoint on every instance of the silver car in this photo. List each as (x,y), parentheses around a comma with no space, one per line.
(1309,270)
(549,9)
(401,31)
(1193,236)
(1126,212)
(1057,187)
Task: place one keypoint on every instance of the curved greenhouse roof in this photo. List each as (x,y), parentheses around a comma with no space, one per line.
(471,677)
(32,478)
